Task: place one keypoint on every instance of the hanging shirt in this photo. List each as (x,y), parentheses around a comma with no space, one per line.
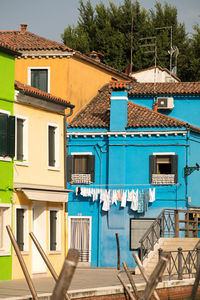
(123,203)
(134,203)
(152,195)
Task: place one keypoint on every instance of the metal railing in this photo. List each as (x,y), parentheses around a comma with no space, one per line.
(182,263)
(169,223)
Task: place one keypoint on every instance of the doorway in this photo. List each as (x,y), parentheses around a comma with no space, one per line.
(39,230)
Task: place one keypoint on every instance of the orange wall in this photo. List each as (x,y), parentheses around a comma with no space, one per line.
(73,79)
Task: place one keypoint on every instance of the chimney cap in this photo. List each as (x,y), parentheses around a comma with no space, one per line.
(23,27)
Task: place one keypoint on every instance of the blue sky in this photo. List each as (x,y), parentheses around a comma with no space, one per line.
(49,18)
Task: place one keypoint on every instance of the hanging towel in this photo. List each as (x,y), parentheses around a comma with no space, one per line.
(123,203)
(152,195)
(134,203)
(114,197)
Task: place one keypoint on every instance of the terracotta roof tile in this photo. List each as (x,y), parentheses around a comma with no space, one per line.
(25,40)
(118,85)
(31,91)
(164,88)
(6,47)
(97,115)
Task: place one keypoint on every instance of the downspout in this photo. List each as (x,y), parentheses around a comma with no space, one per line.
(186,177)
(65,175)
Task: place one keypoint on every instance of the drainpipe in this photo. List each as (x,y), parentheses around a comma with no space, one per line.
(65,171)
(186,177)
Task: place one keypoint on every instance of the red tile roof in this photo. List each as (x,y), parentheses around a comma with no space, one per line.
(115,85)
(25,40)
(7,48)
(164,88)
(97,115)
(31,91)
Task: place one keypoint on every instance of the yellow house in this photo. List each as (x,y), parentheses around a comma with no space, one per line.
(40,195)
(57,69)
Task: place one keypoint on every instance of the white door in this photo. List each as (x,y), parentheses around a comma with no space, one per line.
(39,230)
(80,237)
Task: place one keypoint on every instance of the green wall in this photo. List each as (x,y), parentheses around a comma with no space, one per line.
(7,90)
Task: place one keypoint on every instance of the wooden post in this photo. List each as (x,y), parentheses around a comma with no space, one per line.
(125,287)
(142,271)
(22,263)
(45,258)
(196,225)
(176,223)
(180,267)
(154,278)
(118,251)
(196,284)
(130,277)
(187,225)
(66,275)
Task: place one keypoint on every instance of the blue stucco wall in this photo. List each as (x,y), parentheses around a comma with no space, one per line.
(125,160)
(186,108)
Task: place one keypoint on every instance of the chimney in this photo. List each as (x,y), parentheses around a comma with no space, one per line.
(118,110)
(23,27)
(155,108)
(95,55)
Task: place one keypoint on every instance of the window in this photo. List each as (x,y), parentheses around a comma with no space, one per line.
(163,168)
(55,232)
(7,135)
(81,168)
(39,79)
(138,227)
(21,139)
(53,146)
(5,219)
(22,228)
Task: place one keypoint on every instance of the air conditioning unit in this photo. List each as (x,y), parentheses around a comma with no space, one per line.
(165,102)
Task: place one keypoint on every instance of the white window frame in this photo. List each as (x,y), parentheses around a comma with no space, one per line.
(58,230)
(25,140)
(90,233)
(42,68)
(26,226)
(2,157)
(5,250)
(57,147)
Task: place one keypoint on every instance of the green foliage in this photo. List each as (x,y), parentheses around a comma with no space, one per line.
(108,30)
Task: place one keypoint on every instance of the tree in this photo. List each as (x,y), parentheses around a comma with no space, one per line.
(109,30)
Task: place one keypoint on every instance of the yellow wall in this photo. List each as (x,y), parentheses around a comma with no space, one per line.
(56,259)
(72,79)
(37,171)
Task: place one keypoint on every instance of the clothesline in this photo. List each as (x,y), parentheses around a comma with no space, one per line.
(139,198)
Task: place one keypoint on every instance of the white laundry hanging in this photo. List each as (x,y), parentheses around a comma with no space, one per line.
(134,203)
(152,195)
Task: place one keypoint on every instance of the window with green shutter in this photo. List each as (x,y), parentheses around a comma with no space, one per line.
(52,157)
(7,135)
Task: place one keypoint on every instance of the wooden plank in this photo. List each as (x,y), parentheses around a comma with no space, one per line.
(125,287)
(118,251)
(66,275)
(154,278)
(142,271)
(130,277)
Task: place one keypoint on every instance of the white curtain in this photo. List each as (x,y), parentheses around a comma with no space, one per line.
(80,237)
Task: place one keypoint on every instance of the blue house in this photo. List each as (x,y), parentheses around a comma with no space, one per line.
(128,159)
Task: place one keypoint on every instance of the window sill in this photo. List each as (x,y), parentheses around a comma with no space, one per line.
(5,253)
(6,158)
(20,163)
(54,169)
(55,252)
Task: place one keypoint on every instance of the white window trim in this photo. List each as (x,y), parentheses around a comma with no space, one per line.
(81,153)
(57,147)
(58,230)
(42,68)
(25,140)
(90,233)
(164,153)
(6,250)
(26,227)
(3,158)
